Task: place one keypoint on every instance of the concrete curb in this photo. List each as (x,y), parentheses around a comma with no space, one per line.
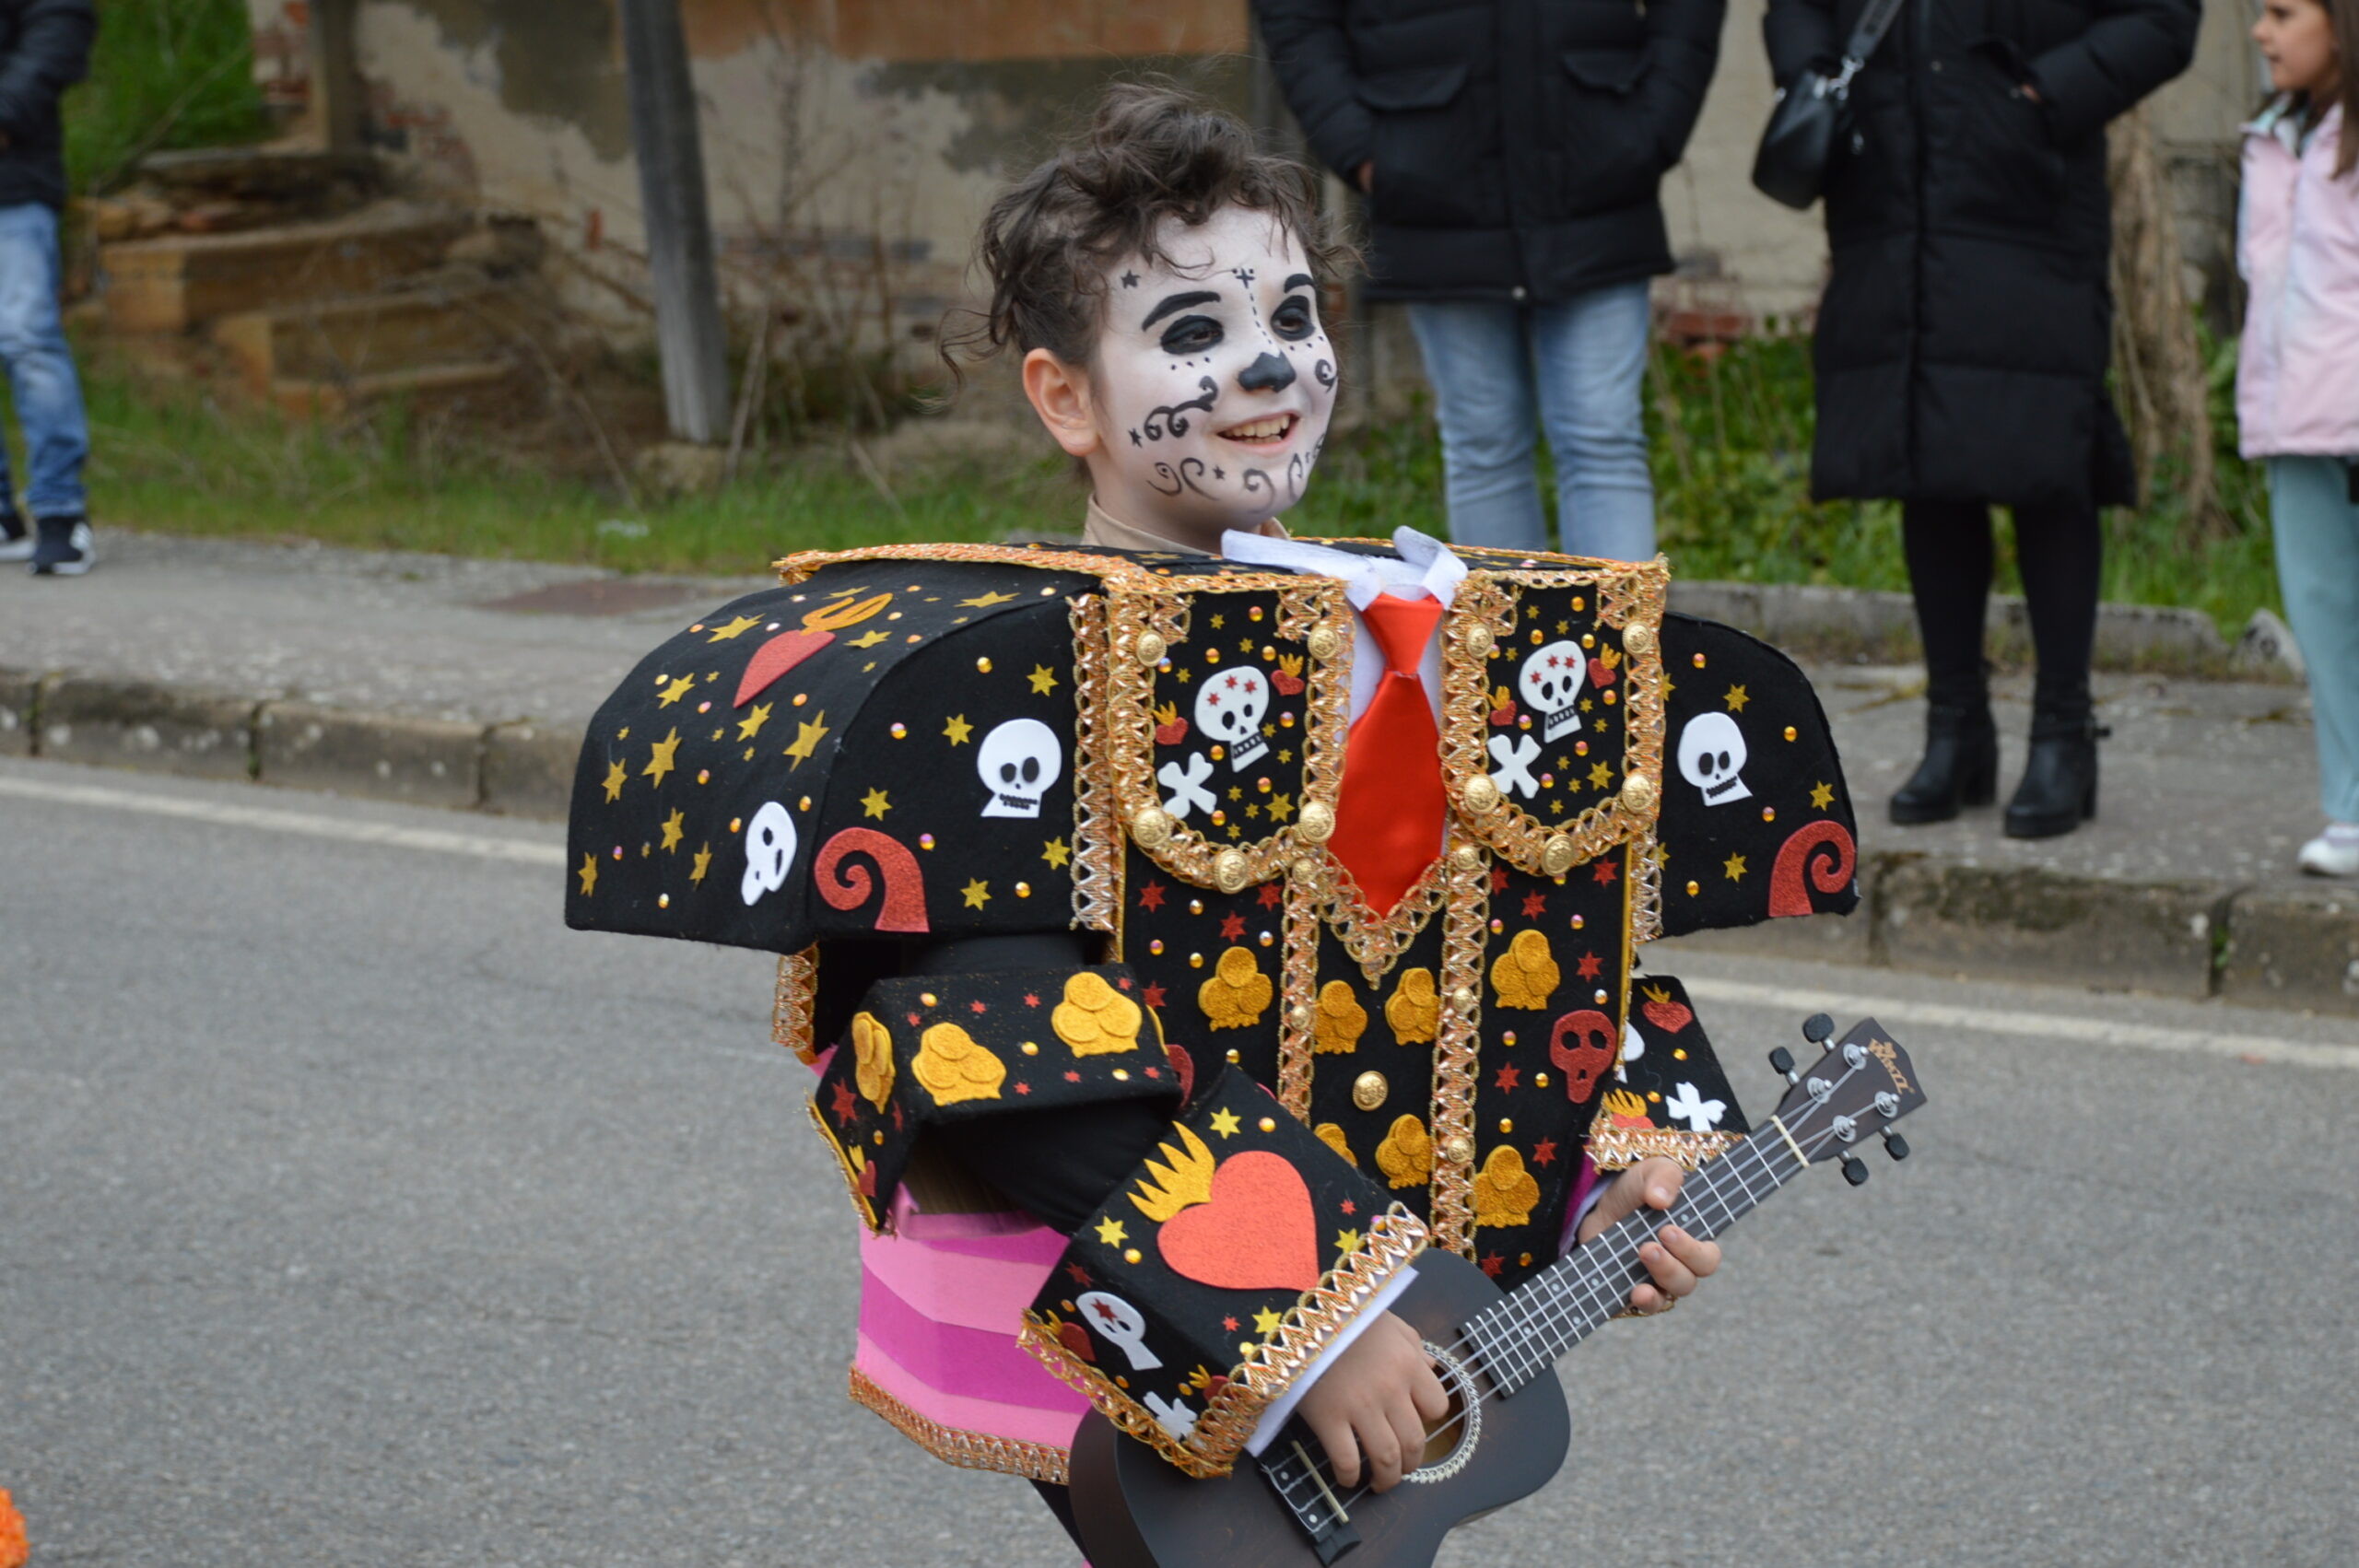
(2284,947)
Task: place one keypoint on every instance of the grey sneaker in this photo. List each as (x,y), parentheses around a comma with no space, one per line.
(65,547)
(15,539)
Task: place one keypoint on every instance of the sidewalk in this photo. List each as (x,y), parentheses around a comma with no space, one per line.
(466,683)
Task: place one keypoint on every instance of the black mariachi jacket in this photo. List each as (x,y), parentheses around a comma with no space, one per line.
(913,746)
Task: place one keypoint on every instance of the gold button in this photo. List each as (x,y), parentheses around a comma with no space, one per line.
(1467,858)
(1150,648)
(1298,1015)
(1638,792)
(1482,796)
(1324,644)
(1368,1090)
(1478,640)
(1463,1000)
(1306,869)
(1318,821)
(1556,855)
(1639,637)
(1459,1149)
(1151,826)
(1231,871)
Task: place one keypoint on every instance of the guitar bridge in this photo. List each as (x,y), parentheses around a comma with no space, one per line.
(1296,1470)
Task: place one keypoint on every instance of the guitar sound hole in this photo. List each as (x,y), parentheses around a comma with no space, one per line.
(1452,1441)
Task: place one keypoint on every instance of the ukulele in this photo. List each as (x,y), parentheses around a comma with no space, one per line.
(1506,1430)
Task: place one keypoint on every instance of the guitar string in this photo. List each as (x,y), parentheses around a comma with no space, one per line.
(1817,1141)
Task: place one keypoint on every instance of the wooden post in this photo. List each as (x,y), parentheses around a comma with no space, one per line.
(335,75)
(679,228)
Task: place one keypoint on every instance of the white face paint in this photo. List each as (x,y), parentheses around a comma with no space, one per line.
(1213,380)
(1019,761)
(769,850)
(1711,757)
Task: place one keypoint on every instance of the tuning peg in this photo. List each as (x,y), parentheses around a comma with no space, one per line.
(1782,1061)
(1855,1170)
(1896,1145)
(1817,1027)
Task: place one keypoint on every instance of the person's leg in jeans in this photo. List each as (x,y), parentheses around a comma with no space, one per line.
(2060,545)
(1478,357)
(1589,354)
(1948,548)
(40,374)
(2316,526)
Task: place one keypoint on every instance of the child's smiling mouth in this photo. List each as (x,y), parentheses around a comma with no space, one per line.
(1266,434)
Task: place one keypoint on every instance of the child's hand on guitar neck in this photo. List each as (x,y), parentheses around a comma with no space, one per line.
(1676,1258)
(1378,1400)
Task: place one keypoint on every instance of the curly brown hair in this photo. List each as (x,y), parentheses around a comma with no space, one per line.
(1151,152)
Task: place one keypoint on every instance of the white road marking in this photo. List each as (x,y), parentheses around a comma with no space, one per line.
(482,847)
(2034,1026)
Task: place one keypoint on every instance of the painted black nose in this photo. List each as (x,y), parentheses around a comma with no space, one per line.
(1271,372)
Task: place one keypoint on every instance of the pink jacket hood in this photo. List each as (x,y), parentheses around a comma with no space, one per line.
(2297,247)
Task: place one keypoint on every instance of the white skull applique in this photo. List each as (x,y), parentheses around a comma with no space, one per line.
(1229,709)
(1118,1323)
(1515,760)
(1711,757)
(1187,786)
(1551,683)
(1019,761)
(769,850)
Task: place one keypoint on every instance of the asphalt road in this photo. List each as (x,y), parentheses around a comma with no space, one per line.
(352,1211)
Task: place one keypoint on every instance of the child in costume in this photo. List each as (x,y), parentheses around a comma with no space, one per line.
(1192,927)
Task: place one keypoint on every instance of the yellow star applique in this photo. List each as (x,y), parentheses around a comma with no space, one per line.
(986,600)
(1219,623)
(1056,853)
(751,725)
(672,828)
(977,893)
(1736,699)
(1043,680)
(615,774)
(1265,1322)
(1110,1231)
(957,730)
(1280,806)
(868,638)
(1183,676)
(806,739)
(703,864)
(1600,775)
(675,691)
(1225,1123)
(1347,1241)
(874,805)
(1734,866)
(1245,645)
(587,873)
(741,624)
(1822,796)
(660,758)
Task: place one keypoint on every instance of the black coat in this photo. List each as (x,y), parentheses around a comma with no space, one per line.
(44,49)
(1517,144)
(1963,341)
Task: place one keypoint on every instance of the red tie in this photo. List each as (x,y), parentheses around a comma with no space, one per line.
(1388,819)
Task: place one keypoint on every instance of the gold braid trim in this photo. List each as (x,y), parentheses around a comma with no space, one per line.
(798,984)
(1299,986)
(955,1445)
(1097,828)
(1231,1416)
(1374,940)
(1458,1042)
(1630,598)
(794,569)
(852,1178)
(1618,1148)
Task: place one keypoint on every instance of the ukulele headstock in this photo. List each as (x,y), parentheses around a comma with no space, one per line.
(1858,1088)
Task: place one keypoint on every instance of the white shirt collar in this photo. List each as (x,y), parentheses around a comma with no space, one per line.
(1427,564)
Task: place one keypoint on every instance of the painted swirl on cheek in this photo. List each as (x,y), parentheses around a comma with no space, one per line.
(1325,373)
(1182,478)
(1175,420)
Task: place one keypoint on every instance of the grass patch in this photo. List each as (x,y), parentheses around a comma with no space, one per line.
(163,73)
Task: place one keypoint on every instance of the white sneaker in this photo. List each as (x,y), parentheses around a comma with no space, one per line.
(15,539)
(2335,852)
(66,547)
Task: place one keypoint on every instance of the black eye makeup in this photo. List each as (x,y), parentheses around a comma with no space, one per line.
(1294,320)
(1191,334)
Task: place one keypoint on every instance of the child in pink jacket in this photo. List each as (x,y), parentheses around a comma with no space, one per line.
(2298,381)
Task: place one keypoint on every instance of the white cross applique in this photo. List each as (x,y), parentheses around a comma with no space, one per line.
(1689,1106)
(1187,785)
(1515,760)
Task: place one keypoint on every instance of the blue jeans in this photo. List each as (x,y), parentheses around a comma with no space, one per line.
(1499,374)
(40,368)
(2316,529)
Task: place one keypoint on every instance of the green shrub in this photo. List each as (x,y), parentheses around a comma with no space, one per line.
(163,73)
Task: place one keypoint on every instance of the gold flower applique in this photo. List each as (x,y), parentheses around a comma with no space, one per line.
(1237,994)
(1415,1010)
(1332,1134)
(953,1067)
(872,1055)
(1525,974)
(1341,1021)
(1406,1155)
(1094,1018)
(1504,1193)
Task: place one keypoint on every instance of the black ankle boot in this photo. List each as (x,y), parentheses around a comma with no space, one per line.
(2059,791)
(1960,766)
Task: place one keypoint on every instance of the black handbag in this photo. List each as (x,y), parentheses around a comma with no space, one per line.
(1813,109)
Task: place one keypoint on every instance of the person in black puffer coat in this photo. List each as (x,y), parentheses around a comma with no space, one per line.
(44,49)
(1963,341)
(1511,152)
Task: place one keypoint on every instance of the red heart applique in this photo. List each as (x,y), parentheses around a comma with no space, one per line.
(1667,1015)
(1258,1232)
(1600,673)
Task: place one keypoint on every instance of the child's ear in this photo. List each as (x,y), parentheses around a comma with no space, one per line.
(1060,395)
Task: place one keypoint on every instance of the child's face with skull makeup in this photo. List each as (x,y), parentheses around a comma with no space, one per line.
(1207,399)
